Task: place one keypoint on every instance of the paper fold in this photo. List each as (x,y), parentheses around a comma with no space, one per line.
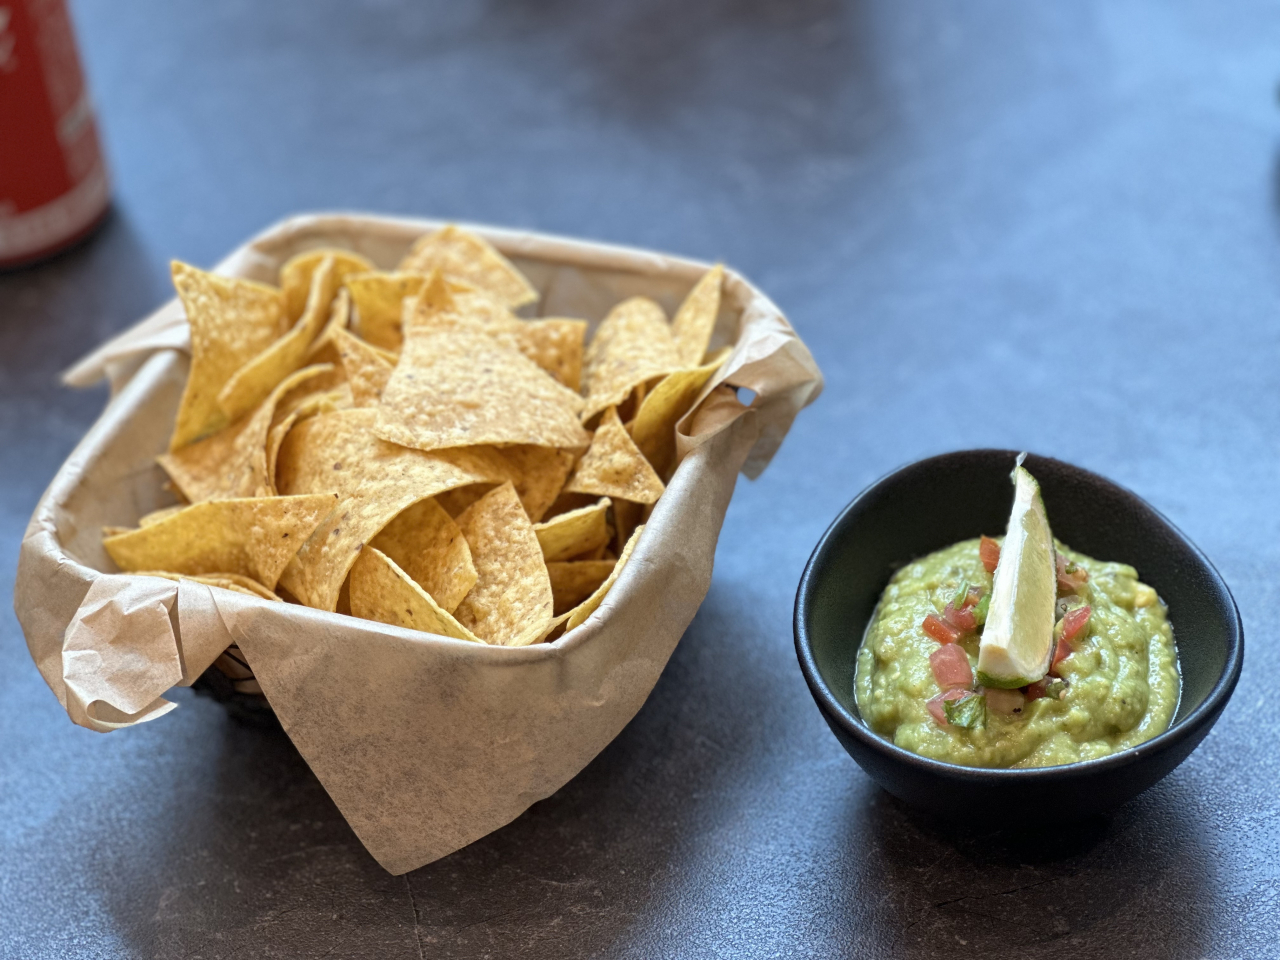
(425,743)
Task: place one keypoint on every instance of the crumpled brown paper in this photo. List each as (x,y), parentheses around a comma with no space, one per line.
(425,743)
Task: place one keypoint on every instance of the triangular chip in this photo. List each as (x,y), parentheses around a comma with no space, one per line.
(296,276)
(227,581)
(574,533)
(614,467)
(464,256)
(582,611)
(252,382)
(654,428)
(253,537)
(632,344)
(379,302)
(367,369)
(232,321)
(233,463)
(627,515)
(694,322)
(338,453)
(457,387)
(573,582)
(539,473)
(513,592)
(382,591)
(322,346)
(554,344)
(427,545)
(155,516)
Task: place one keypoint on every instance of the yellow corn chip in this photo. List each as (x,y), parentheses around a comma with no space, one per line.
(694,322)
(427,545)
(296,277)
(574,533)
(460,255)
(367,369)
(579,614)
(253,537)
(232,321)
(654,428)
(633,344)
(379,301)
(457,387)
(513,592)
(614,467)
(228,581)
(233,463)
(573,582)
(554,344)
(252,382)
(455,502)
(539,474)
(339,319)
(338,453)
(156,515)
(381,591)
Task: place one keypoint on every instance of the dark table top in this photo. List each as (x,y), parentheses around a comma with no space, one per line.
(1044,226)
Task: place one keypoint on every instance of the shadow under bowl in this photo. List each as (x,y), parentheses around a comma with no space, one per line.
(936,502)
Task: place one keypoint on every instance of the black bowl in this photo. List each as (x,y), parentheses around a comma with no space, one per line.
(933,503)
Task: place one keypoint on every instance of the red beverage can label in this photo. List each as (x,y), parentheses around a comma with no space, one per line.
(53,182)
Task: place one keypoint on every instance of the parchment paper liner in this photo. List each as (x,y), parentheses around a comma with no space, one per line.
(424,743)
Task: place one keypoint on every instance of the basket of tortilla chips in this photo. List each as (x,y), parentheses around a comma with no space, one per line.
(444,498)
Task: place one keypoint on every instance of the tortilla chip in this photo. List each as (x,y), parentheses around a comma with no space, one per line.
(383,592)
(694,322)
(232,321)
(654,428)
(254,537)
(227,581)
(457,387)
(427,545)
(461,255)
(297,273)
(155,516)
(539,474)
(633,344)
(455,502)
(573,582)
(574,533)
(614,467)
(513,592)
(554,344)
(379,302)
(234,462)
(338,453)
(582,611)
(367,369)
(252,382)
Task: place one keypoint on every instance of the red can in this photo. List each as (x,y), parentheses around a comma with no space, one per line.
(53,182)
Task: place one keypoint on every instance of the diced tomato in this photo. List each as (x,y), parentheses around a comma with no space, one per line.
(1034,691)
(1060,653)
(1075,621)
(951,666)
(1071,577)
(939,629)
(962,619)
(936,708)
(989,551)
(972,598)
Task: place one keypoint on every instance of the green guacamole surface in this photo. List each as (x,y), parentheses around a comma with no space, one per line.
(1122,675)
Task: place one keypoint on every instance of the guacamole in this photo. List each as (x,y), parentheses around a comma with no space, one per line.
(1114,682)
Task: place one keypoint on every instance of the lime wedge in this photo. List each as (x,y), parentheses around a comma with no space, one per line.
(1017,641)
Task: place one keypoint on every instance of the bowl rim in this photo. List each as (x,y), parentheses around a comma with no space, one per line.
(836,712)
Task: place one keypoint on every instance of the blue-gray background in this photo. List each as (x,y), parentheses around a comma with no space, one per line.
(1044,226)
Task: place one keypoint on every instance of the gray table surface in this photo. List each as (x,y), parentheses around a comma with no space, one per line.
(1048,226)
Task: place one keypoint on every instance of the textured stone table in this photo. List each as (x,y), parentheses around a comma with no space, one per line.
(1050,226)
